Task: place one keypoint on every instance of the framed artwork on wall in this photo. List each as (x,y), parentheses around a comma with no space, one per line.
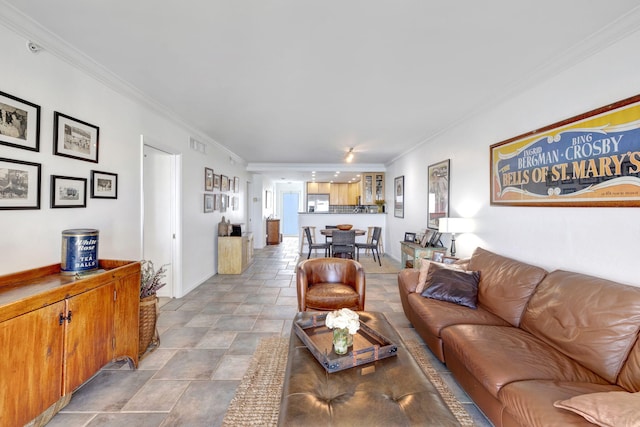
(104,185)
(19,123)
(216,201)
(438,201)
(208,203)
(216,181)
(236,184)
(224,183)
(19,184)
(398,197)
(208,179)
(75,138)
(68,192)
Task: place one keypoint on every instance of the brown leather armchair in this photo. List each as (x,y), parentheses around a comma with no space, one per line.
(326,284)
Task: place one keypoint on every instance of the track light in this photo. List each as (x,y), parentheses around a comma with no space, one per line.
(349,156)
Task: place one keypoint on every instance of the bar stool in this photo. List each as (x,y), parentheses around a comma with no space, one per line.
(369,236)
(303,238)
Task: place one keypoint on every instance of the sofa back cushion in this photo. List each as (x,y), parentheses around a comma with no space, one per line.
(593,321)
(505,284)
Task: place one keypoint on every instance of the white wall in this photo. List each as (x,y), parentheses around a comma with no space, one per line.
(32,238)
(597,241)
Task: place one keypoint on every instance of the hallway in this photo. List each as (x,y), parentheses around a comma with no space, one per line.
(207,341)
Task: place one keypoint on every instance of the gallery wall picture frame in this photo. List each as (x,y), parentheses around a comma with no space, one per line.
(236,184)
(234,203)
(224,183)
(216,202)
(208,179)
(216,181)
(398,197)
(409,237)
(104,185)
(19,184)
(68,192)
(438,256)
(223,203)
(74,138)
(19,123)
(438,199)
(268,199)
(426,237)
(208,203)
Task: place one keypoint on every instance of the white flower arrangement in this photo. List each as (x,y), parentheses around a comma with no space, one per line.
(343,318)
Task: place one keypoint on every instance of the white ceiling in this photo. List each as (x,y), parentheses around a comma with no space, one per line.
(288,82)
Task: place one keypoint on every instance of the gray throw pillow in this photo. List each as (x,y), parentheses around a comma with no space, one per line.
(456,286)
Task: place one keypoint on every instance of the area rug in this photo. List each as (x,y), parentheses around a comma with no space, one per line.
(257,399)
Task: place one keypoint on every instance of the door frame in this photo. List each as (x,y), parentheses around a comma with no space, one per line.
(176,217)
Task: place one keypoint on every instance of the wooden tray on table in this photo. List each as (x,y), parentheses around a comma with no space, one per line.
(368,345)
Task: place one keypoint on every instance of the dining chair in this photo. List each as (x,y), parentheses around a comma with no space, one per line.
(343,243)
(329,227)
(312,245)
(372,245)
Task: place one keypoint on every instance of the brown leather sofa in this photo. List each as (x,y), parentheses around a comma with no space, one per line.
(535,338)
(326,284)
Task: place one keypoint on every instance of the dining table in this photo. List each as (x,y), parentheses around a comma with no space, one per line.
(328,232)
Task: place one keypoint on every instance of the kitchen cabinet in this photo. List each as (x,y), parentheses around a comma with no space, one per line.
(371,187)
(235,253)
(353,193)
(61,329)
(318,187)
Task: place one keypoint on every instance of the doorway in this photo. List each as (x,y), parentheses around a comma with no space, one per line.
(290,206)
(160,214)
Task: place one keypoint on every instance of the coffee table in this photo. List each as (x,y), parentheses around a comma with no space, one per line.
(388,392)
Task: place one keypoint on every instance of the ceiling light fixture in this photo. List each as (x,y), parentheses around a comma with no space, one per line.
(349,156)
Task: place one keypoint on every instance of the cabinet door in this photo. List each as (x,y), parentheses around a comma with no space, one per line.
(379,186)
(312,188)
(367,189)
(324,187)
(89,335)
(343,191)
(31,364)
(334,195)
(126,318)
(354,192)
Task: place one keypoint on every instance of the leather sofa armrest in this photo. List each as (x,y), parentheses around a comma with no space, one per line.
(408,279)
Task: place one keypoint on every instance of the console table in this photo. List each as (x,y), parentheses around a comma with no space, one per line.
(412,253)
(235,253)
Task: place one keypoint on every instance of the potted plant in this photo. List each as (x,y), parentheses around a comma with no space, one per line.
(380,204)
(150,282)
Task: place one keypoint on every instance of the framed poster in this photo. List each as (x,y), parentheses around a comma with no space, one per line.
(592,159)
(208,203)
(68,192)
(75,138)
(19,123)
(104,185)
(224,183)
(216,181)
(398,197)
(208,179)
(438,201)
(19,184)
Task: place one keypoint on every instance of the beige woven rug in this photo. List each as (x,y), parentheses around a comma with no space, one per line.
(257,399)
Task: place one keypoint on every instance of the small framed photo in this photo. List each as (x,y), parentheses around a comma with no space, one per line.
(234,203)
(208,203)
(19,184)
(425,239)
(236,184)
(438,256)
(75,138)
(216,181)
(435,239)
(104,185)
(208,179)
(68,192)
(449,260)
(216,201)
(224,183)
(409,237)
(224,202)
(19,123)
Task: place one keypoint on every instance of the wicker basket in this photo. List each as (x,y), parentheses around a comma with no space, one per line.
(147,329)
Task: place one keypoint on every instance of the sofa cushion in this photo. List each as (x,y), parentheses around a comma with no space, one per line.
(331,296)
(452,285)
(422,277)
(499,355)
(530,403)
(505,284)
(591,320)
(613,408)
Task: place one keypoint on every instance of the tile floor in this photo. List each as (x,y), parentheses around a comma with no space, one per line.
(207,341)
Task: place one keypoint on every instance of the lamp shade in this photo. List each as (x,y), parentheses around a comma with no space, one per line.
(455,225)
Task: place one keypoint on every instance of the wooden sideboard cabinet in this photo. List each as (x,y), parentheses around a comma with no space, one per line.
(273,231)
(57,331)
(235,253)
(412,254)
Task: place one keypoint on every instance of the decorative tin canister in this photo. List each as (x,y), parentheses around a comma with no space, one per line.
(79,251)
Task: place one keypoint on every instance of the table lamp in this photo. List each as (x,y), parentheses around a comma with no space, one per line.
(453,226)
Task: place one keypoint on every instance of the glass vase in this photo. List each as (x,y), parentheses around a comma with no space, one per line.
(341,338)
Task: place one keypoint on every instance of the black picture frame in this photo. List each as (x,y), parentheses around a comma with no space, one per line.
(438,199)
(19,123)
(19,184)
(435,239)
(74,138)
(398,197)
(208,179)
(409,237)
(68,192)
(104,185)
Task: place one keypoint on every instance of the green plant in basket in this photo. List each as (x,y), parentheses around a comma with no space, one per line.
(150,279)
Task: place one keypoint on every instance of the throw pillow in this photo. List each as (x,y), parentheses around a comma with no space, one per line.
(452,285)
(612,408)
(422,278)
